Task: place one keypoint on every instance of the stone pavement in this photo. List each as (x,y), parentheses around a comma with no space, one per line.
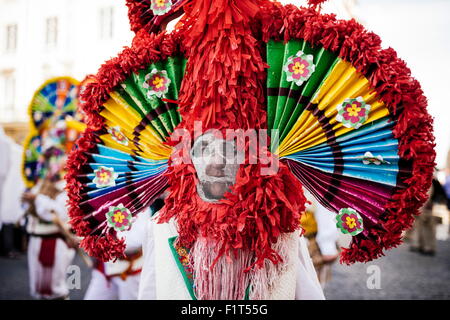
(403,275)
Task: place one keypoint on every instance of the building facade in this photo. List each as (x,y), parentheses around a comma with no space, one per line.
(49,38)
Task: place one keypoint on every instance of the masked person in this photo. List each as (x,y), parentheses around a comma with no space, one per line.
(323,112)
(119,280)
(216,165)
(50,248)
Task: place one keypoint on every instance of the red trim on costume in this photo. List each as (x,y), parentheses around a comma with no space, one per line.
(47,252)
(47,260)
(100,266)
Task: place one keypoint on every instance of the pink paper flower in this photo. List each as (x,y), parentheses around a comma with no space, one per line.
(157,83)
(160,7)
(118,136)
(105,177)
(119,218)
(352,113)
(349,221)
(299,68)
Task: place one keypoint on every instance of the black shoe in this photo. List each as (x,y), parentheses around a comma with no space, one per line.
(430,253)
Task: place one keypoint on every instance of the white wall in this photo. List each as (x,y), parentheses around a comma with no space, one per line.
(79,50)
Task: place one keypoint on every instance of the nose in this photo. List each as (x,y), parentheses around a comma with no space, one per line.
(215,170)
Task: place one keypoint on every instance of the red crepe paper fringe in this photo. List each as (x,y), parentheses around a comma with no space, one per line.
(225,71)
(395,86)
(252,216)
(142,18)
(315,3)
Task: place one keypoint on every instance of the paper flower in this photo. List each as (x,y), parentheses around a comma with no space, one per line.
(37,116)
(183,257)
(157,83)
(160,7)
(299,68)
(369,158)
(349,221)
(105,177)
(353,112)
(119,218)
(118,136)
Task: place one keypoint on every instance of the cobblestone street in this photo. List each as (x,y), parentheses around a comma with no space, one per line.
(403,275)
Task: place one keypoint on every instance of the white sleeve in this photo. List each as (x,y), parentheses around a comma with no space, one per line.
(147,285)
(46,207)
(327,232)
(308,285)
(135,237)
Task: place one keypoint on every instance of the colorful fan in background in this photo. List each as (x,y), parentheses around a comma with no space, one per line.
(54,123)
(54,100)
(345,130)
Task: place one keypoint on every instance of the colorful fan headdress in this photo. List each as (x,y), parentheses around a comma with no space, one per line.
(350,125)
(54,127)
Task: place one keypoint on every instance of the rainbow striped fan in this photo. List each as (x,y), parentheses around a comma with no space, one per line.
(345,116)
(54,102)
(55,99)
(334,133)
(127,163)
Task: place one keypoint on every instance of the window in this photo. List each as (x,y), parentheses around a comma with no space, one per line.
(11,38)
(51,34)
(9,91)
(106,23)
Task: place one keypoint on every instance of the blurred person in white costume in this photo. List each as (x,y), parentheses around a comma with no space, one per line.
(119,280)
(11,188)
(50,250)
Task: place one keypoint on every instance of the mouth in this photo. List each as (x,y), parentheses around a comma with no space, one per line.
(216,190)
(216,174)
(214,171)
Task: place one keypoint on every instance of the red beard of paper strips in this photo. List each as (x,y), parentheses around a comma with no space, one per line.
(239,231)
(258,208)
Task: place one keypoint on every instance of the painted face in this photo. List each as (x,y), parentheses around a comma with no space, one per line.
(215,161)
